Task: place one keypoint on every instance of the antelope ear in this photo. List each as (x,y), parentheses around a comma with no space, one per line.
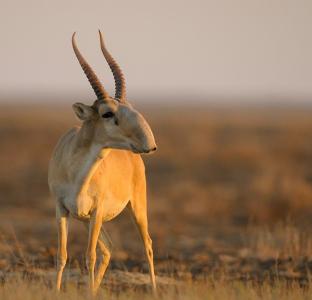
(83,112)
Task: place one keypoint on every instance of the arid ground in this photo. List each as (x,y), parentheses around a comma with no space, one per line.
(230,206)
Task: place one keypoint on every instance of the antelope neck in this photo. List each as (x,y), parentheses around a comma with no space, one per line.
(90,157)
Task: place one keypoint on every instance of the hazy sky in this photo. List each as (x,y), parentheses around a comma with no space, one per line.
(175,47)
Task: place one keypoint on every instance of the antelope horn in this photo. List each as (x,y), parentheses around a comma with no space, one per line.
(120,83)
(94,81)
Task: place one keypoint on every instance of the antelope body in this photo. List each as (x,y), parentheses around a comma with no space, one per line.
(96,170)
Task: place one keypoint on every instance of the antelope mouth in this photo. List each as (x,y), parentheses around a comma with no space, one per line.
(143,151)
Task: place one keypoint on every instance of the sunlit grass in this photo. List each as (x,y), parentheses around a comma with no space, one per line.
(23,288)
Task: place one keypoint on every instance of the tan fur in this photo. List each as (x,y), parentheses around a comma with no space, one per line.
(94,174)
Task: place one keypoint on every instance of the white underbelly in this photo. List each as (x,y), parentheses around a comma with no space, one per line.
(112,208)
(81,208)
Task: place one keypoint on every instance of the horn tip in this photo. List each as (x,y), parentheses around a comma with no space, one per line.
(100,33)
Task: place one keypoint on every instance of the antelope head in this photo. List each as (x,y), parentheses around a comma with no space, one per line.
(114,122)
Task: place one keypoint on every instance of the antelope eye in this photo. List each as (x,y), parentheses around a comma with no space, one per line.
(108,114)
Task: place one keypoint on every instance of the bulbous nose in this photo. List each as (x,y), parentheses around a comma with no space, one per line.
(150,150)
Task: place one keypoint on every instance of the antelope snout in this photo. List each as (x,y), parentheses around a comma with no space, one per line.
(150,150)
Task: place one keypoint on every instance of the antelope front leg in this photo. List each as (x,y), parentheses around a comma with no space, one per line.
(94,232)
(62,226)
(103,244)
(106,255)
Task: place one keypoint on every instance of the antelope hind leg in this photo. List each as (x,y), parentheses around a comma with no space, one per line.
(139,214)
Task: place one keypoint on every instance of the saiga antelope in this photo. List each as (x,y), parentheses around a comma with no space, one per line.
(96,170)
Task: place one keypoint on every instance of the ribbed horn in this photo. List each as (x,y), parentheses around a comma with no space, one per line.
(120,83)
(94,81)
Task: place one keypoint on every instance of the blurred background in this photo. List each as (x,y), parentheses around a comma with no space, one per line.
(226,87)
(168,49)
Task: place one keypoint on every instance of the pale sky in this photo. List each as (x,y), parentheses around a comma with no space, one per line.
(202,48)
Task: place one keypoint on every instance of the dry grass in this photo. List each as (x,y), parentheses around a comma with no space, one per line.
(24,289)
(229,206)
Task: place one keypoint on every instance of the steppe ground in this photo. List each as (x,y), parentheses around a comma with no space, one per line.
(230,206)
